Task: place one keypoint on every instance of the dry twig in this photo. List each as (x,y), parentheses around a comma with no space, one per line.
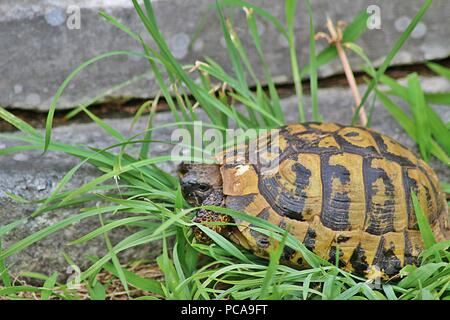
(335,37)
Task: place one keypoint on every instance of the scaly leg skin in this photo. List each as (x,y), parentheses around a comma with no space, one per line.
(203,216)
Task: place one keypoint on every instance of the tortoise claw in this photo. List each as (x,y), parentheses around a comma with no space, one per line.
(210,218)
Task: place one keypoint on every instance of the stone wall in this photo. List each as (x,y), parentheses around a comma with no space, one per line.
(41,42)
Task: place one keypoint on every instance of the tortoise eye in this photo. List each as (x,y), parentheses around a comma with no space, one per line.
(182,169)
(203,187)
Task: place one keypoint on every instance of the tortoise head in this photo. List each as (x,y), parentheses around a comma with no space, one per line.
(198,180)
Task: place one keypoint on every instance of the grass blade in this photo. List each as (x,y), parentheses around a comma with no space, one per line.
(272,268)
(424,226)
(440,70)
(137,281)
(313,65)
(420,114)
(48,286)
(392,53)
(290,12)
(72,75)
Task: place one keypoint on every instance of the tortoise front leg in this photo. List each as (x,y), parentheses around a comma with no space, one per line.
(208,217)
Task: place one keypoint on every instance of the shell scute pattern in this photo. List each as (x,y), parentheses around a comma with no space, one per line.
(339,189)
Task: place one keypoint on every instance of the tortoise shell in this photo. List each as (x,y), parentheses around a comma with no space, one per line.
(337,187)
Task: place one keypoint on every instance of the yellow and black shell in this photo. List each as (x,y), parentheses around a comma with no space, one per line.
(337,189)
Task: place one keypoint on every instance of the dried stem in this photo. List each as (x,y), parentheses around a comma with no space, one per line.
(352,83)
(335,37)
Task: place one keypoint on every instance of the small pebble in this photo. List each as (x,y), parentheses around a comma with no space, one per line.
(20,157)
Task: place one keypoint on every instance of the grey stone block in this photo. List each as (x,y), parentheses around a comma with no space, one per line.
(33,176)
(41,47)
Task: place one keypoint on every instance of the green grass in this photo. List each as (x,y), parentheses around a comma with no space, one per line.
(150,200)
(423,124)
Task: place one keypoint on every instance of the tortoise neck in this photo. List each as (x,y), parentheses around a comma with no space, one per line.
(215,198)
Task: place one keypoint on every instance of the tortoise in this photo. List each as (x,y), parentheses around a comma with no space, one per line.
(344,189)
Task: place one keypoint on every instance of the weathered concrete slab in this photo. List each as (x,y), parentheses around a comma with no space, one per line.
(32,176)
(41,42)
